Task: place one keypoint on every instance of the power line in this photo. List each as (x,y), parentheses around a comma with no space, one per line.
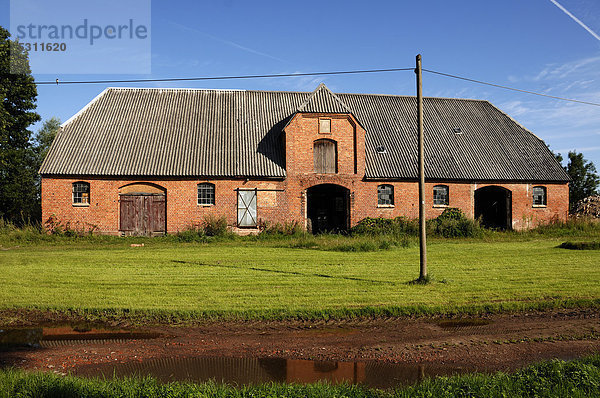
(180,79)
(510,88)
(344,72)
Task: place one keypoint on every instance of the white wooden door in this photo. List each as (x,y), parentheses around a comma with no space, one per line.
(246,209)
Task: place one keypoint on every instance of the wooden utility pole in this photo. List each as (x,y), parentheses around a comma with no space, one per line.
(422,224)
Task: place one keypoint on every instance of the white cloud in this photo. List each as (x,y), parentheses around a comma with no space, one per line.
(580,68)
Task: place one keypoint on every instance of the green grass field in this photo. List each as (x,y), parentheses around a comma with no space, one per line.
(260,279)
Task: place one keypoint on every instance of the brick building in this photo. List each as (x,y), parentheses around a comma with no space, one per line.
(147,161)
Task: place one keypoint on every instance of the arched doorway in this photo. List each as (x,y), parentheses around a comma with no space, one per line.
(142,209)
(328,208)
(493,206)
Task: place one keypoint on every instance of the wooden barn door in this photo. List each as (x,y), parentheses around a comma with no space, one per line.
(325,156)
(143,215)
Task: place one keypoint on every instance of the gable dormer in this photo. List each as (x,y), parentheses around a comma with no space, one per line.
(322,100)
(323,137)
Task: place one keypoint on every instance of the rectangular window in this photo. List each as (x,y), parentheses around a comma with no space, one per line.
(440,195)
(539,196)
(81,193)
(385,195)
(325,126)
(206,194)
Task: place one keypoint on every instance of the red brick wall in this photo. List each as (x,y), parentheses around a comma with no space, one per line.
(290,204)
(183,211)
(462,196)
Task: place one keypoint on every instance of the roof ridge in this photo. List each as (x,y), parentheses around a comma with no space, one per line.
(414,96)
(293,91)
(175,89)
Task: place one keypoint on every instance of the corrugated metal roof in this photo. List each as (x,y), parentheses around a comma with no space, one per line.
(226,133)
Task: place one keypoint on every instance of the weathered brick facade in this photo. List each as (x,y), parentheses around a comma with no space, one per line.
(285,200)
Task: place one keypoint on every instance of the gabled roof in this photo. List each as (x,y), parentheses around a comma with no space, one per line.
(229,133)
(322,100)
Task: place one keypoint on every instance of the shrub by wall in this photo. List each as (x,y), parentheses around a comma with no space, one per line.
(452,223)
(385,226)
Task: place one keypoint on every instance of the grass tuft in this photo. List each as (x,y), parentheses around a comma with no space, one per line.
(424,280)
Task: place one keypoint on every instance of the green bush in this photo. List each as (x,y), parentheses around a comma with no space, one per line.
(214,226)
(452,223)
(386,226)
(191,235)
(451,213)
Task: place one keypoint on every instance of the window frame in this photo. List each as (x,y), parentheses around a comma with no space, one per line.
(207,187)
(544,196)
(446,200)
(390,194)
(78,196)
(322,119)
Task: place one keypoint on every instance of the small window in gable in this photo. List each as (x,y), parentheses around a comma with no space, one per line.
(81,193)
(385,195)
(325,156)
(206,194)
(324,126)
(539,196)
(440,195)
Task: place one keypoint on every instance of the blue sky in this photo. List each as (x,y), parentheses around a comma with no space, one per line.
(530,44)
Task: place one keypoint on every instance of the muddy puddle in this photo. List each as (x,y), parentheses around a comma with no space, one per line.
(379,353)
(54,335)
(462,323)
(247,371)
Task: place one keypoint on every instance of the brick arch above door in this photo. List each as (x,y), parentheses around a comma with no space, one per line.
(146,188)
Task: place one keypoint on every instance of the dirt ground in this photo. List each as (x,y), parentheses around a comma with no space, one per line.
(494,342)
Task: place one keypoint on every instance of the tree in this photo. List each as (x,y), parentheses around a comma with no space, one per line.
(45,136)
(42,141)
(584,182)
(18,160)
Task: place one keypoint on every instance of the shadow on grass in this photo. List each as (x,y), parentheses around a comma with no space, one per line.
(594,245)
(274,271)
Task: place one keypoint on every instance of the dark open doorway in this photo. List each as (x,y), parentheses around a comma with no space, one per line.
(493,206)
(328,208)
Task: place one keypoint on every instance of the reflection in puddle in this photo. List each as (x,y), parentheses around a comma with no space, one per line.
(78,333)
(15,337)
(244,371)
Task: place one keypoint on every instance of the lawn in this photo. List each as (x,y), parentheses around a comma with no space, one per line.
(256,279)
